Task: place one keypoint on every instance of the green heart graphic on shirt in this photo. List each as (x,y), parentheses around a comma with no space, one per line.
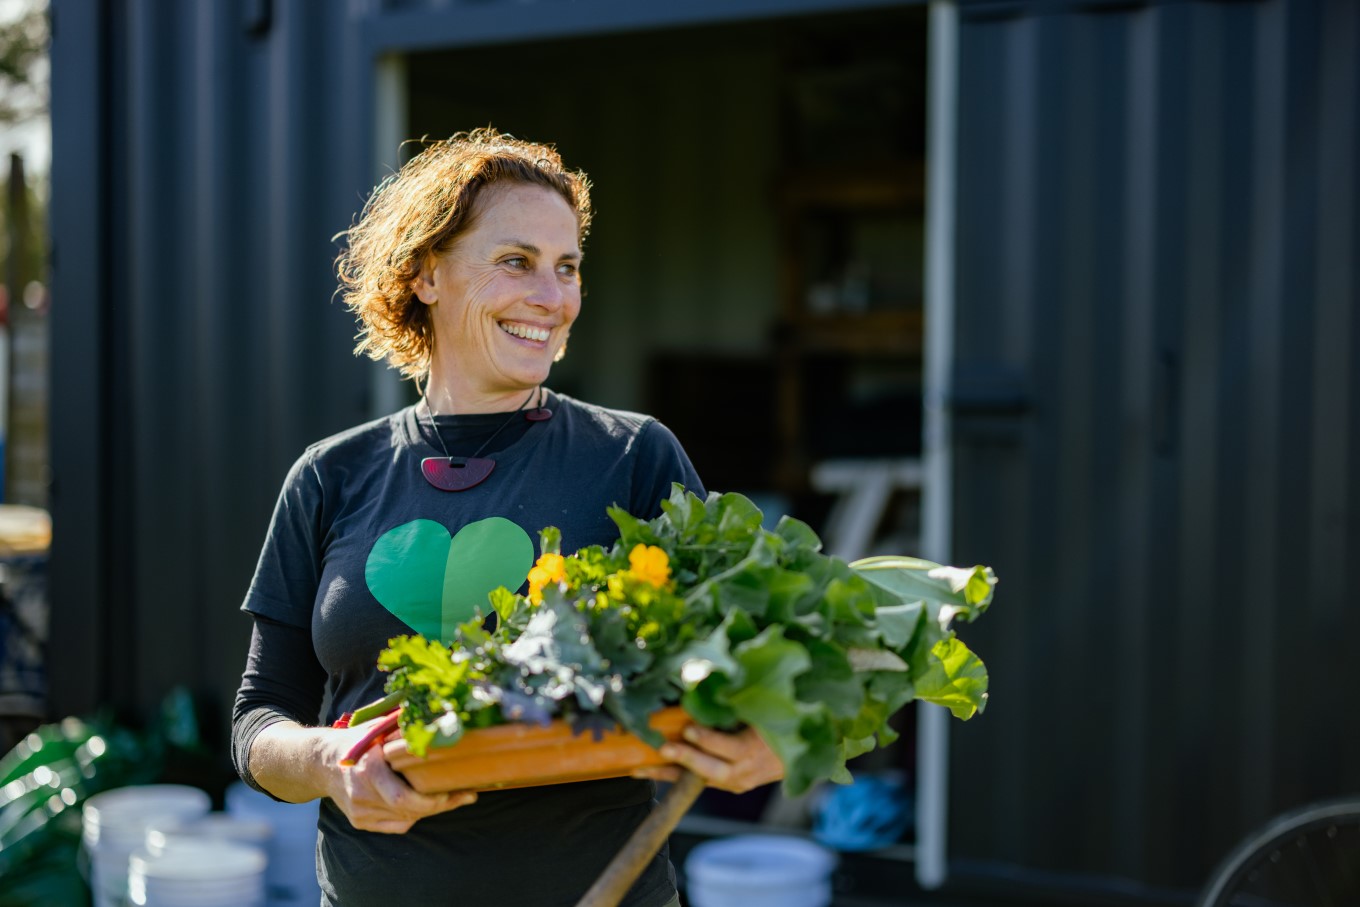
(434,583)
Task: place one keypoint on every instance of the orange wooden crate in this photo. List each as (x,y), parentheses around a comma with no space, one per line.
(528,755)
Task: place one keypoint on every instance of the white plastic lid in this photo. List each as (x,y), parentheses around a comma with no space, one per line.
(121,815)
(212,827)
(200,861)
(759,861)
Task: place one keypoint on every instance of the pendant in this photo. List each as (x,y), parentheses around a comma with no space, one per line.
(541,414)
(456,473)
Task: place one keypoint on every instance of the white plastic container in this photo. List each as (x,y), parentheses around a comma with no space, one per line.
(114,824)
(759,871)
(290,877)
(215,826)
(202,872)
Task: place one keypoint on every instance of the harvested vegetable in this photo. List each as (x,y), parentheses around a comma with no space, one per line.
(380,729)
(701,606)
(376,709)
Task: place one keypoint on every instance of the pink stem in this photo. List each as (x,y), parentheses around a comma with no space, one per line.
(380,729)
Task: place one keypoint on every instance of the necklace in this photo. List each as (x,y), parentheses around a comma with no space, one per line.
(450,473)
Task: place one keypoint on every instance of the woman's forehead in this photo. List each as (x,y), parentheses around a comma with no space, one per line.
(526,214)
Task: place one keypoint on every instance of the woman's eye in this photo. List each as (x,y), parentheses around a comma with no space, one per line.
(567,269)
(519,262)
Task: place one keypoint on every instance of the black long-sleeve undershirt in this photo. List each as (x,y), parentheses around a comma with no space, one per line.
(283,681)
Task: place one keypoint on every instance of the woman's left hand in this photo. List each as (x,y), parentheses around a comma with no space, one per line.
(735,762)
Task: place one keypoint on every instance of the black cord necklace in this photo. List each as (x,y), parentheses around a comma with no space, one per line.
(450,473)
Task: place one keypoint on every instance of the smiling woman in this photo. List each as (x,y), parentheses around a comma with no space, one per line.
(464,272)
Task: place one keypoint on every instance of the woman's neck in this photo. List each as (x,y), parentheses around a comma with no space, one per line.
(448,398)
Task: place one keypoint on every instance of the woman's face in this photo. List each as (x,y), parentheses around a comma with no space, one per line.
(503,298)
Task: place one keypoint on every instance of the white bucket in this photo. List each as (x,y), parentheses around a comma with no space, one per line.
(216,826)
(290,878)
(759,871)
(200,872)
(114,823)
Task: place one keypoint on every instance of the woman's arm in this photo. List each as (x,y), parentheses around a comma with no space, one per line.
(298,763)
(292,761)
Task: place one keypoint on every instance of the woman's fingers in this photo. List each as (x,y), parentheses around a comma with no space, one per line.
(380,800)
(731,747)
(458,799)
(717,772)
(667,773)
(733,762)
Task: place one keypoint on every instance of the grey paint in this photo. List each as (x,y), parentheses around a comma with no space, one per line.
(78,670)
(1156,258)
(198,174)
(413,25)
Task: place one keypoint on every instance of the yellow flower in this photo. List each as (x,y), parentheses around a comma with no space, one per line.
(550,568)
(650,564)
(555,565)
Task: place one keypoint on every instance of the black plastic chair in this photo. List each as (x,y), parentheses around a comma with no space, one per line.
(1307,857)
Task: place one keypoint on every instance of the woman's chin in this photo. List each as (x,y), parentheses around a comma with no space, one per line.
(525,379)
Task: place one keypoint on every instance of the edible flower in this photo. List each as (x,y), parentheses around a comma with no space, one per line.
(650,565)
(550,568)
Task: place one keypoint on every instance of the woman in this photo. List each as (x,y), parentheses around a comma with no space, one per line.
(464,271)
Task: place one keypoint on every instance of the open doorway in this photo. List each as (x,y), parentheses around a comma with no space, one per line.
(754,277)
(754,274)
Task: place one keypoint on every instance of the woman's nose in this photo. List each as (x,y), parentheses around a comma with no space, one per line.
(548,291)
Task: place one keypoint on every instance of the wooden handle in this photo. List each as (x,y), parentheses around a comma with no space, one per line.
(639,850)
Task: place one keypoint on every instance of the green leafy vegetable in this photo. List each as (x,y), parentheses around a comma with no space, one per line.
(703,607)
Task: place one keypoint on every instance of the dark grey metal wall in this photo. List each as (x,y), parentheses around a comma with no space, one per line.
(203,155)
(1157,425)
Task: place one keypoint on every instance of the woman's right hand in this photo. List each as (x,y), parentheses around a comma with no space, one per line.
(376,798)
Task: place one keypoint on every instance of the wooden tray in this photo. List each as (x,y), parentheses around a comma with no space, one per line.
(528,755)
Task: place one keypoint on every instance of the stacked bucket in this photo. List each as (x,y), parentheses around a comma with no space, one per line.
(198,872)
(158,845)
(114,825)
(290,877)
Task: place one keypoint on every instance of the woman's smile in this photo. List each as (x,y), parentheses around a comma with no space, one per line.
(526,332)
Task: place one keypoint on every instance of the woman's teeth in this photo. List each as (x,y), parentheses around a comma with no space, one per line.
(524,331)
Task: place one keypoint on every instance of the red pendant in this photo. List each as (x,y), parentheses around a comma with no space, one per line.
(456,474)
(541,414)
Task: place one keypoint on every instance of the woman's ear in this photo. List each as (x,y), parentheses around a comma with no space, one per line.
(423,283)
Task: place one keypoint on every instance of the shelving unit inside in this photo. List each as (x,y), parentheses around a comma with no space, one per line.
(850,199)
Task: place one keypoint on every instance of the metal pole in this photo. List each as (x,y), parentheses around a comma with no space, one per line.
(932,726)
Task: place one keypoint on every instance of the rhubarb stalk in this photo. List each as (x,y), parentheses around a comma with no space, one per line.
(380,729)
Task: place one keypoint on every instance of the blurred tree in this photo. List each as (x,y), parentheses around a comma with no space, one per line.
(24,97)
(24,125)
(23,62)
(32,245)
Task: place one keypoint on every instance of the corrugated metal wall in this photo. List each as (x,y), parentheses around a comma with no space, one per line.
(1157,421)
(204,154)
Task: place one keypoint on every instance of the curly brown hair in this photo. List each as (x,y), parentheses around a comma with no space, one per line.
(421,210)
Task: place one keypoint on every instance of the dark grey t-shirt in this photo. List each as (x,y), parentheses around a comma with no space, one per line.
(361,548)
